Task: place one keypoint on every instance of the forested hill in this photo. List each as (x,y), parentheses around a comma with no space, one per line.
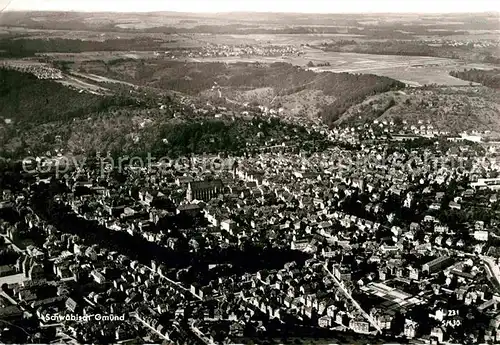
(25,99)
(285,80)
(33,112)
(39,116)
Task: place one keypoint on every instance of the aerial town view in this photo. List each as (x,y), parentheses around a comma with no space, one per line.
(253,172)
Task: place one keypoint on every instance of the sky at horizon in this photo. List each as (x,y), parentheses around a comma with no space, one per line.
(290,6)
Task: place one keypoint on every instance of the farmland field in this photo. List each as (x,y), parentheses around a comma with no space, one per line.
(413,70)
(276,39)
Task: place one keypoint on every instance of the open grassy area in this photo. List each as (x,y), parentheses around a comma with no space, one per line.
(413,70)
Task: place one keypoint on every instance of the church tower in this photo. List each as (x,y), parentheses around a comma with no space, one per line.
(189,193)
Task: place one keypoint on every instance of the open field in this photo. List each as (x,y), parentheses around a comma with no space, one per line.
(470,36)
(413,70)
(103,56)
(276,39)
(80,84)
(197,39)
(101,79)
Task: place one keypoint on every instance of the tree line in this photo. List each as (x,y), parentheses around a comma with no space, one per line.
(25,47)
(490,78)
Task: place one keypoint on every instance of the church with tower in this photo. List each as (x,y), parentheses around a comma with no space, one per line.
(204,190)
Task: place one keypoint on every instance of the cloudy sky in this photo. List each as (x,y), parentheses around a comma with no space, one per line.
(306,6)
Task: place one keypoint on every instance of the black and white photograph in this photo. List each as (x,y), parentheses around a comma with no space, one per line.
(185,172)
